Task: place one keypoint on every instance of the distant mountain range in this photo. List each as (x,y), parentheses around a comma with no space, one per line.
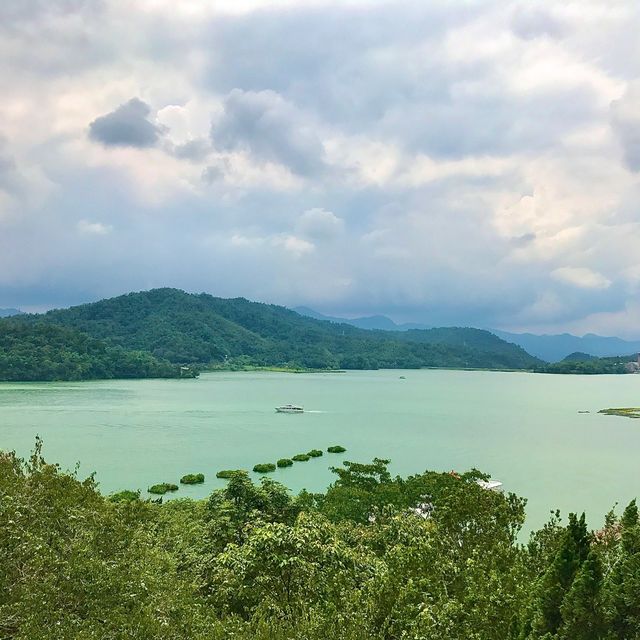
(548,347)
(554,348)
(381,323)
(5,313)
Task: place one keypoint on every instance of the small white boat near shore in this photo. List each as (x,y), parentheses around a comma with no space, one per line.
(289,408)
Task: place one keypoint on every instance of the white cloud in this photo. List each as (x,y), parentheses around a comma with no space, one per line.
(471,163)
(319,224)
(581,277)
(94,228)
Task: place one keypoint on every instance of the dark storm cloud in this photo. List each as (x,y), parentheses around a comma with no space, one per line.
(271,129)
(127,126)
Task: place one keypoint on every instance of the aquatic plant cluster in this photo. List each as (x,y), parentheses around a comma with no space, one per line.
(357,562)
(226,474)
(268,467)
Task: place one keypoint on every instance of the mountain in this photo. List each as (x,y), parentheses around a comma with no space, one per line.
(583,363)
(5,313)
(188,328)
(37,351)
(551,348)
(367,322)
(578,356)
(554,348)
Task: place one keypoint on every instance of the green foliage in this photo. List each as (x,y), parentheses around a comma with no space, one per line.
(265,467)
(124,496)
(314,453)
(228,473)
(162,488)
(284,462)
(336,449)
(301,457)
(355,563)
(192,478)
(589,366)
(31,352)
(186,328)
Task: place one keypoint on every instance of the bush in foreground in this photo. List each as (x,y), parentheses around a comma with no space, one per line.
(124,496)
(265,467)
(356,562)
(192,478)
(284,462)
(162,488)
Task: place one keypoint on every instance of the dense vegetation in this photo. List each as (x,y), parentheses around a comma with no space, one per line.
(432,556)
(41,351)
(582,363)
(185,328)
(192,478)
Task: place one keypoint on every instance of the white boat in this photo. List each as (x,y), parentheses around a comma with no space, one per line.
(289,408)
(490,485)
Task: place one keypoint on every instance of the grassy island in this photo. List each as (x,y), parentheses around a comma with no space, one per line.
(162,488)
(226,474)
(301,457)
(265,467)
(625,412)
(314,453)
(336,449)
(284,462)
(192,478)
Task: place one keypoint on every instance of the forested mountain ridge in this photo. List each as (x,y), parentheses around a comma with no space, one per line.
(200,328)
(39,351)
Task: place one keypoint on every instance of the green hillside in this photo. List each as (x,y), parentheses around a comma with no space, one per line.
(581,363)
(188,328)
(39,351)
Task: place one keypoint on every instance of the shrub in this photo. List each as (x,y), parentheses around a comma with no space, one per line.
(314,453)
(284,462)
(265,467)
(336,449)
(227,473)
(125,496)
(192,478)
(163,487)
(301,457)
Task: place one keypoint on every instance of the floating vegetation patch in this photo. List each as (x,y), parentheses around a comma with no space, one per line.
(336,449)
(314,453)
(301,457)
(162,488)
(284,462)
(125,496)
(625,412)
(192,478)
(265,467)
(225,474)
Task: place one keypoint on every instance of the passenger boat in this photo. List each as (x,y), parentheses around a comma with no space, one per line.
(289,408)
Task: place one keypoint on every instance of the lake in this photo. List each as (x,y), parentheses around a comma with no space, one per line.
(524,429)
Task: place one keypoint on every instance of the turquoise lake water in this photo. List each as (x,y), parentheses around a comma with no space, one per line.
(524,429)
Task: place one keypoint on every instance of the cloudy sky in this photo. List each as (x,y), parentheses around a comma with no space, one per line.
(470,163)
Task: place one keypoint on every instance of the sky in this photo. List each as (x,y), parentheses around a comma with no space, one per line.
(469,163)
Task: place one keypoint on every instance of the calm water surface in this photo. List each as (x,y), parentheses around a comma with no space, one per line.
(523,429)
